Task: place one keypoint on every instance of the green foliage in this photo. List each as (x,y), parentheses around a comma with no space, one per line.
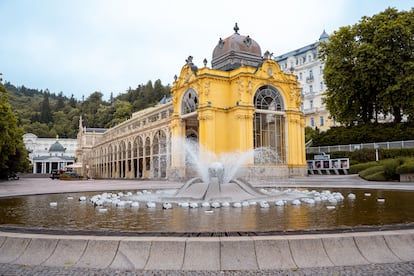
(395,153)
(361,166)
(46,114)
(311,133)
(385,170)
(369,68)
(37,128)
(406,167)
(13,156)
(365,133)
(69,176)
(122,112)
(45,110)
(372,170)
(377,176)
(390,168)
(363,155)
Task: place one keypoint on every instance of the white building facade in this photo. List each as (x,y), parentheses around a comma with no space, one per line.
(47,154)
(308,68)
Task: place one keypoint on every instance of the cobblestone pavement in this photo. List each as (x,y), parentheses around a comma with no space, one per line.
(405,268)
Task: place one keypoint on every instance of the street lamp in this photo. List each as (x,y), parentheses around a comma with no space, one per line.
(376,152)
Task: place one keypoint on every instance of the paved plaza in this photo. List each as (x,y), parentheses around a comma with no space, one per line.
(389,252)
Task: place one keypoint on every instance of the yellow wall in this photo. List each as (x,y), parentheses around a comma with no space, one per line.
(226,108)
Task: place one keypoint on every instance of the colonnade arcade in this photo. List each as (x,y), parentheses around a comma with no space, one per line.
(144,155)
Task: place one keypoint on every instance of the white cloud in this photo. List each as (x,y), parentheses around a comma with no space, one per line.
(81,46)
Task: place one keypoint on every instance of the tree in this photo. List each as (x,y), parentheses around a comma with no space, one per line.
(90,107)
(45,112)
(60,104)
(369,68)
(13,155)
(122,112)
(62,125)
(105,114)
(72,102)
(37,128)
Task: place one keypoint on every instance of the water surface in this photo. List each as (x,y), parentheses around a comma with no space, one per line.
(71,214)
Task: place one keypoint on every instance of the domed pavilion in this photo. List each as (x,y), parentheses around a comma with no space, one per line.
(243,103)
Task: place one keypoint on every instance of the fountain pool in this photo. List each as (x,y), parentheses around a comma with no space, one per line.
(370,208)
(215,201)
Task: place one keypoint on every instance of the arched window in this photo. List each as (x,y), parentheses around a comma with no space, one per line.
(147,154)
(268,98)
(189,102)
(269,126)
(159,152)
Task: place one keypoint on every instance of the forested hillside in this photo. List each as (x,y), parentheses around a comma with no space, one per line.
(48,114)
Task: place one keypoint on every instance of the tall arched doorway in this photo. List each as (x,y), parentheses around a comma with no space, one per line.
(269,126)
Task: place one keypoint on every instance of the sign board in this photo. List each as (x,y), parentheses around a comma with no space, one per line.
(322,156)
(330,164)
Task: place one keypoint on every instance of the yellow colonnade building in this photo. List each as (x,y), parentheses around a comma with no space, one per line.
(244,102)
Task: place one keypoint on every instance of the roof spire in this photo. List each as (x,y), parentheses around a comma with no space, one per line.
(236,28)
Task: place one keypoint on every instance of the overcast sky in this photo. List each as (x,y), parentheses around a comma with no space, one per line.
(82,46)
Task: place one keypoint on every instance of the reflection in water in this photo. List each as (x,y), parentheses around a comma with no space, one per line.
(35,211)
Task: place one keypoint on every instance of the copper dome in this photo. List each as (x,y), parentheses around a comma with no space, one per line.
(235,51)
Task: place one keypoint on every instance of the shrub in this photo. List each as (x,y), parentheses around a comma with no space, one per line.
(363,155)
(406,167)
(371,171)
(340,154)
(378,176)
(364,133)
(361,166)
(390,169)
(69,176)
(394,153)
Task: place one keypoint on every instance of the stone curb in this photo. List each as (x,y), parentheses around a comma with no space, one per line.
(208,254)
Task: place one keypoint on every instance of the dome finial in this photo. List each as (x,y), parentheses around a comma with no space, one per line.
(236,28)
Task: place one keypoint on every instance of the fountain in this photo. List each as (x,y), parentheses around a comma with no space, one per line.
(218,188)
(217,185)
(216,200)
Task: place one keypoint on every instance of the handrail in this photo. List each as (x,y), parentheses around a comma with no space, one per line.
(353,147)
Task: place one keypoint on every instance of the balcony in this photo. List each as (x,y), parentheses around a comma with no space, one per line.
(312,110)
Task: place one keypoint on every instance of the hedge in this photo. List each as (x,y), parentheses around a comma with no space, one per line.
(364,133)
(361,166)
(371,170)
(378,176)
(406,167)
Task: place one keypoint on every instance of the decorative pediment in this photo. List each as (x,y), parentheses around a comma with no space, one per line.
(186,76)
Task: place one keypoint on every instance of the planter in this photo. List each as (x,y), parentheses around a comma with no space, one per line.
(407,177)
